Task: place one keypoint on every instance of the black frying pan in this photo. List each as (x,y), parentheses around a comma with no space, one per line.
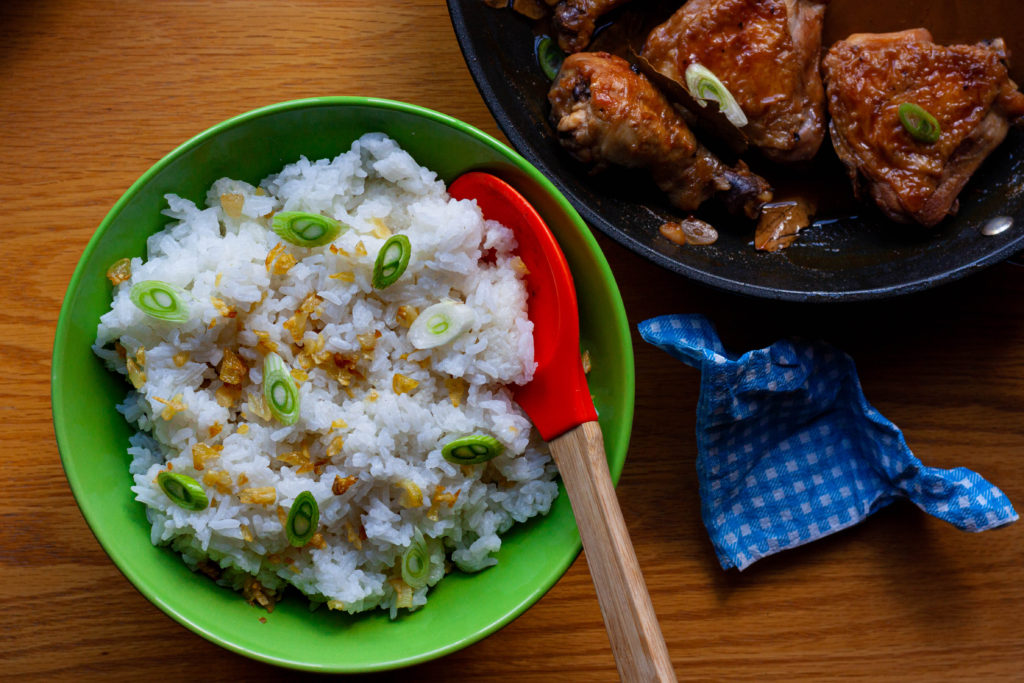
(851,253)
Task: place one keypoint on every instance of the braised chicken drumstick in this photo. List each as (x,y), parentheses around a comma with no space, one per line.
(605,113)
(766,52)
(575,21)
(966,88)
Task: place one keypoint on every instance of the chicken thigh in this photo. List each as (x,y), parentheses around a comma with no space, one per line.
(766,52)
(966,88)
(605,113)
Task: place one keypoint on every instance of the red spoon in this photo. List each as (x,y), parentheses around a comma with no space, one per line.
(559,404)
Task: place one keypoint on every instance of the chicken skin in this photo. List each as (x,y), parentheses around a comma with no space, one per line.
(605,113)
(575,21)
(766,52)
(966,88)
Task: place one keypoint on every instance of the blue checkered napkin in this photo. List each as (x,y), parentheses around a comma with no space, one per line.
(789,450)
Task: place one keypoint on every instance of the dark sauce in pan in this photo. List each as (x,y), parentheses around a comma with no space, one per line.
(823,181)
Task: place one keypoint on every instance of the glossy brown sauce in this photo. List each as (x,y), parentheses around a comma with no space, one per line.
(823,181)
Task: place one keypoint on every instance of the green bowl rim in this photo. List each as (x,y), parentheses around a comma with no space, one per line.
(617,316)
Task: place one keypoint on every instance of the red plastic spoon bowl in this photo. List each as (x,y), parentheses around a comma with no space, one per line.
(559,404)
(557,399)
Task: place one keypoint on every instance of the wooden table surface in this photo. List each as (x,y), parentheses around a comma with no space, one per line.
(92,94)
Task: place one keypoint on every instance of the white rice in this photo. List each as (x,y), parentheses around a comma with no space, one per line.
(391,441)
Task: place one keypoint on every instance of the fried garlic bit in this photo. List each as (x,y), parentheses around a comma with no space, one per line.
(344,276)
(405,315)
(355,537)
(221,481)
(263,342)
(343,369)
(233,369)
(312,353)
(342,484)
(120,271)
(297,323)
(172,407)
(441,497)
(257,595)
(367,342)
(519,266)
(203,453)
(260,495)
(337,443)
(402,384)
(380,228)
(227,395)
(136,373)
(224,309)
(232,204)
(412,495)
(296,458)
(257,405)
(278,261)
(458,389)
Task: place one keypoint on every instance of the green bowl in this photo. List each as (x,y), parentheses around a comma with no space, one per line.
(93,437)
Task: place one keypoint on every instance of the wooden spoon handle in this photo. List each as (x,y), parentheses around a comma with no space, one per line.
(629,617)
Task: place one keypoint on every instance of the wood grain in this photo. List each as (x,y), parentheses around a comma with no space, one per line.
(633,630)
(92,94)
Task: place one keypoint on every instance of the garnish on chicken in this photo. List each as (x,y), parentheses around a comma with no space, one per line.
(892,151)
(766,53)
(605,113)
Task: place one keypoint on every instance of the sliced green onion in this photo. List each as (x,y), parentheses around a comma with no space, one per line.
(183,490)
(160,300)
(416,562)
(280,390)
(549,56)
(440,323)
(921,125)
(472,450)
(302,519)
(306,229)
(392,260)
(704,85)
